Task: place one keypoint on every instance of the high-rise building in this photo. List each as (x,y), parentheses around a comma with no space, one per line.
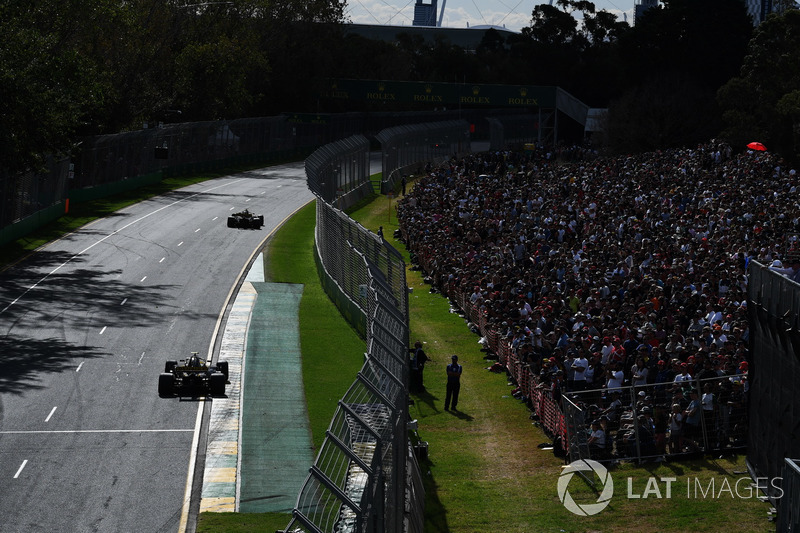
(758,9)
(640,6)
(424,14)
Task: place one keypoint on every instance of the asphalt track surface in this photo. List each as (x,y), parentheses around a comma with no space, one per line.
(86,324)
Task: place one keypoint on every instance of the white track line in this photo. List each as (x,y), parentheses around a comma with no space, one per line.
(20,468)
(76,431)
(126,226)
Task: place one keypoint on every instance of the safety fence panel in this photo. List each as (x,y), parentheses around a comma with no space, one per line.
(365,478)
(338,238)
(773,307)
(31,196)
(789,509)
(658,420)
(339,172)
(359,481)
(408,148)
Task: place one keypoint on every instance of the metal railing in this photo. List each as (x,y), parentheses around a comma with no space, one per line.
(636,420)
(773,306)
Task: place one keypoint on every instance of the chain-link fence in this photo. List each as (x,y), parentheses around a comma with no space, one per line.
(407,149)
(773,306)
(31,196)
(366,477)
(652,421)
(360,479)
(339,172)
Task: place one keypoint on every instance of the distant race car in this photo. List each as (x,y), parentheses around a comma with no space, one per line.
(245,219)
(193,377)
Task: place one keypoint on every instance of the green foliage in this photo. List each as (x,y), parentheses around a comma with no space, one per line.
(46,83)
(761,103)
(668,112)
(85,67)
(676,58)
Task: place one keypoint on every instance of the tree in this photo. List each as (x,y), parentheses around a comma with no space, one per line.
(670,111)
(761,103)
(47,85)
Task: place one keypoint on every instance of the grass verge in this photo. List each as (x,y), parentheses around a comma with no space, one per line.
(485,472)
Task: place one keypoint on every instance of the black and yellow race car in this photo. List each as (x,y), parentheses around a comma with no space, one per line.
(193,377)
(245,219)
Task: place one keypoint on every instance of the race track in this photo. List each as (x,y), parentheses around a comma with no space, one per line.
(86,325)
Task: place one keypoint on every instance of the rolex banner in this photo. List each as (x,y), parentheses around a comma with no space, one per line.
(445,94)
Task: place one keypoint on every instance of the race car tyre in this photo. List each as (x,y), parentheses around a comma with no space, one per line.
(169,366)
(166,384)
(259,221)
(231,222)
(222,366)
(216,384)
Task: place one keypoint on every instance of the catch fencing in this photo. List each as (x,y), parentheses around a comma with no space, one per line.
(30,200)
(512,132)
(338,173)
(406,149)
(366,478)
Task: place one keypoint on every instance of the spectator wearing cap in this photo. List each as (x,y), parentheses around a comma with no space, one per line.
(683,376)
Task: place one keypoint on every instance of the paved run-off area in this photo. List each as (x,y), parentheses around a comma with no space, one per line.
(259,444)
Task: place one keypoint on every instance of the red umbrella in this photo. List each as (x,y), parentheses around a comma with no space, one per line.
(757,146)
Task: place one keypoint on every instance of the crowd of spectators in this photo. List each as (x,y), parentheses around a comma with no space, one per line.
(636,267)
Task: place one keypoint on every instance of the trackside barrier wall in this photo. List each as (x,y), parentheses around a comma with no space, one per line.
(789,513)
(773,307)
(31,200)
(406,149)
(190,148)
